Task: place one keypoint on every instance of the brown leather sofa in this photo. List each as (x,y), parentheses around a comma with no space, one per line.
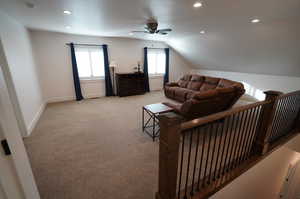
(203,95)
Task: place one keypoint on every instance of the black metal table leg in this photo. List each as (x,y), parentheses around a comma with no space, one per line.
(143,118)
(153,129)
(153,132)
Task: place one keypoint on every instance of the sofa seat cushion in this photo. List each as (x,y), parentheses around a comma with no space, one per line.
(205,94)
(181,93)
(190,94)
(194,85)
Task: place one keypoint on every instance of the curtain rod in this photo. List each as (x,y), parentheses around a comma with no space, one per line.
(68,44)
(102,45)
(156,48)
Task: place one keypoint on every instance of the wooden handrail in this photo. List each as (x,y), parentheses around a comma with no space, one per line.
(265,126)
(168,154)
(288,94)
(211,118)
(231,139)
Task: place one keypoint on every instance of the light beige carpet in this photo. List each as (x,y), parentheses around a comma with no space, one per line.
(95,149)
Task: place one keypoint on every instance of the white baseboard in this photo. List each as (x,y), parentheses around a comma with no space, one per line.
(35,120)
(93,96)
(60,99)
(70,98)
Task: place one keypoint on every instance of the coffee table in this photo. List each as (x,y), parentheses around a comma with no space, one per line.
(153,110)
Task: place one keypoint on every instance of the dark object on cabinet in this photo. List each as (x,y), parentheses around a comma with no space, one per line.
(130,84)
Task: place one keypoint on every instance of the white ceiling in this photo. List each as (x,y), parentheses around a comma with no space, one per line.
(231,42)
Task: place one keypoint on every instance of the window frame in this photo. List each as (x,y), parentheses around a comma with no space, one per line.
(157,52)
(89,50)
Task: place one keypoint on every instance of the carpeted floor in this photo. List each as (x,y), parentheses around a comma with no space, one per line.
(95,149)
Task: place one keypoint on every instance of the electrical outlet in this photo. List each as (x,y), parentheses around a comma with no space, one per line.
(5,147)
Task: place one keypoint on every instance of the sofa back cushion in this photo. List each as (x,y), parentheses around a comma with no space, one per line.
(195,86)
(209,83)
(195,83)
(197,78)
(183,82)
(223,83)
(203,83)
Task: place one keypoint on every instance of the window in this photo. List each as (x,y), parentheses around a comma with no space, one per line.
(156,61)
(90,62)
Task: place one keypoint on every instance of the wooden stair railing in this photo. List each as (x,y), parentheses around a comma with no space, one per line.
(199,157)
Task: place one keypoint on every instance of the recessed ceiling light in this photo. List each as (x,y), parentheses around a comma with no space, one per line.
(68,27)
(67,12)
(255,21)
(202,32)
(197,4)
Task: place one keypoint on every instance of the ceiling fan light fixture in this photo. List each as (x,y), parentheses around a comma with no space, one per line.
(67,12)
(29,4)
(151,28)
(255,21)
(197,4)
(202,32)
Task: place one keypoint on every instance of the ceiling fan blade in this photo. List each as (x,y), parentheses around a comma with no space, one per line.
(162,33)
(139,31)
(165,30)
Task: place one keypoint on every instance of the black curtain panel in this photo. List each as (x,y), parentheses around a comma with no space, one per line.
(75,74)
(108,84)
(147,88)
(166,76)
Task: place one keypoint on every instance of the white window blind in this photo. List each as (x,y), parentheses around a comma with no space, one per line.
(156,61)
(90,62)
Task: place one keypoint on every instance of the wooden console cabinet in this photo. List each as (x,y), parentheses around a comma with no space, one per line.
(130,84)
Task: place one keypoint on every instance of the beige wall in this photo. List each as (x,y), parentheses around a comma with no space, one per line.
(22,70)
(15,169)
(54,62)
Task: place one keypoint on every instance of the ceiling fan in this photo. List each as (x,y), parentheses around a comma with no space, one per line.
(151,28)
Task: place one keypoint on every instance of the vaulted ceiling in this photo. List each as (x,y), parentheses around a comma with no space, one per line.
(230,43)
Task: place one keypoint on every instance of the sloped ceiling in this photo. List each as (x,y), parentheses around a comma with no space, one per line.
(231,42)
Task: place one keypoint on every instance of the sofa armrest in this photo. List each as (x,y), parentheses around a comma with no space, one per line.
(172,84)
(176,107)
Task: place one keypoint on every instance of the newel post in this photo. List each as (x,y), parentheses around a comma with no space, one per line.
(169,141)
(266,119)
(298,123)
